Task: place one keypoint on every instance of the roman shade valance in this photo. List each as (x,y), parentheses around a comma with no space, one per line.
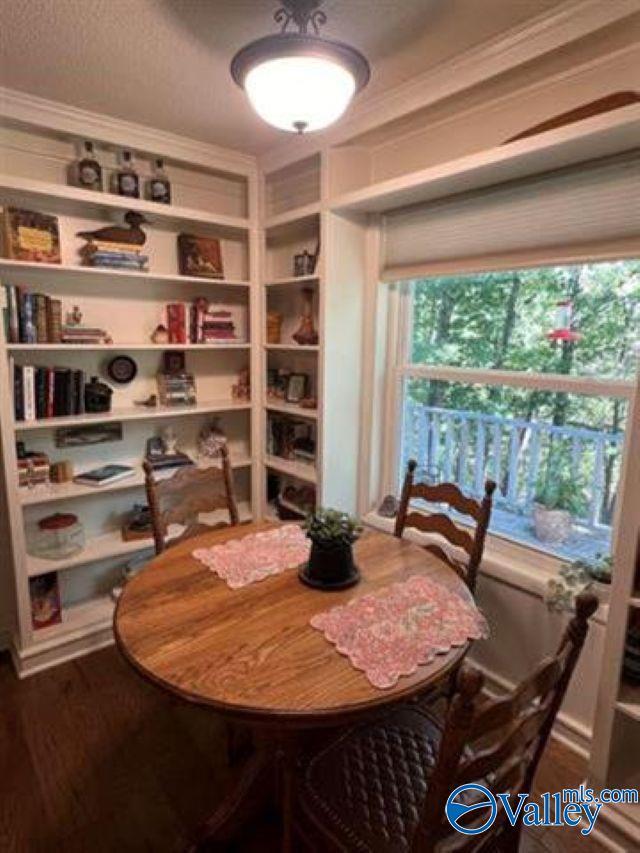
(592,209)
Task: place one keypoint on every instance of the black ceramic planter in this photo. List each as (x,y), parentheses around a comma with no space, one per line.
(330,568)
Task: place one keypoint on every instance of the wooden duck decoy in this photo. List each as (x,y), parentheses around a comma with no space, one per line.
(133,235)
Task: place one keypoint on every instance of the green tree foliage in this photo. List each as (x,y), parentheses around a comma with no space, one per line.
(501,320)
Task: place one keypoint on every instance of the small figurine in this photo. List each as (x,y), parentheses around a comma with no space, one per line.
(133,235)
(160,335)
(150,402)
(211,441)
(241,390)
(306,334)
(74,317)
(170,441)
(389,507)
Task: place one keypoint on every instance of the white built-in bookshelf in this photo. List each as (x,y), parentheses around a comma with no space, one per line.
(213,196)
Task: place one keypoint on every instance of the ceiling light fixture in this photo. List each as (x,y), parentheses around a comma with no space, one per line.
(299,81)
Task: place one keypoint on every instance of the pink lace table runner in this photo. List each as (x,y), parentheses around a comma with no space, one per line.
(240,562)
(390,633)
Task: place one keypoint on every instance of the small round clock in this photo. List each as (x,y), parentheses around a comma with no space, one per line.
(122,369)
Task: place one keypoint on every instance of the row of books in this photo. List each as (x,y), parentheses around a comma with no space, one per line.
(200,323)
(32,318)
(35,318)
(121,256)
(47,392)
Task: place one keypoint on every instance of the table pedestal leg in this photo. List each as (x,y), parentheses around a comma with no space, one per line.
(246,800)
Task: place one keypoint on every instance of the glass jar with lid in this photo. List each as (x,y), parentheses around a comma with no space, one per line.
(57,536)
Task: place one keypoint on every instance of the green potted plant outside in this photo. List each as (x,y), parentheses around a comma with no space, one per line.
(332,534)
(558,500)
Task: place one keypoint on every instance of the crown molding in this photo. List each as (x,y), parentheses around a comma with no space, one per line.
(521,44)
(24,109)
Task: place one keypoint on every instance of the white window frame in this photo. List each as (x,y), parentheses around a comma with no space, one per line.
(400,368)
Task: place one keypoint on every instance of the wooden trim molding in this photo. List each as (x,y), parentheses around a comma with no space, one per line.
(523,43)
(21,108)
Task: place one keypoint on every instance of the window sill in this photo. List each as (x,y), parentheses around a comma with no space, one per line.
(517,566)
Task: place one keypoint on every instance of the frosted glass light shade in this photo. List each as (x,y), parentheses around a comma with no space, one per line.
(299,93)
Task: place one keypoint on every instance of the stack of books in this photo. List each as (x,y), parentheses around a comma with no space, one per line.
(217,326)
(201,323)
(33,469)
(84,335)
(32,318)
(120,256)
(164,464)
(47,392)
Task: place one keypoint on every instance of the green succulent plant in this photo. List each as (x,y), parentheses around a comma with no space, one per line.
(330,528)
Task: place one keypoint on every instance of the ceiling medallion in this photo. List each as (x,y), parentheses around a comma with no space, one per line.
(300,81)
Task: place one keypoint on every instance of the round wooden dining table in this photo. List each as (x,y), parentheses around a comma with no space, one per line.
(251,655)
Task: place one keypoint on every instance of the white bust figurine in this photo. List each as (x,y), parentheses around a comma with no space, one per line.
(170,441)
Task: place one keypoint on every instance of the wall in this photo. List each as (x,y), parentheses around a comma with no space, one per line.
(523,631)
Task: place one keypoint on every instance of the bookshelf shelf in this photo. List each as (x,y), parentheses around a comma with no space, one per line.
(60,198)
(120,347)
(298,214)
(299,279)
(291,409)
(78,620)
(67,491)
(292,347)
(629,700)
(135,413)
(110,545)
(300,470)
(7,265)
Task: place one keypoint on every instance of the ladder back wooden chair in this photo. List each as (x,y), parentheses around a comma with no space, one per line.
(450,494)
(191,491)
(383,786)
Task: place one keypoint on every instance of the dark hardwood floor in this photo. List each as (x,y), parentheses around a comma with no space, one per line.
(94,759)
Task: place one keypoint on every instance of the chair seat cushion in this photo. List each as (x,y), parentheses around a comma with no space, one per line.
(368,787)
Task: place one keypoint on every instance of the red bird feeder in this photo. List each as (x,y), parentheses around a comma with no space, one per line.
(564,318)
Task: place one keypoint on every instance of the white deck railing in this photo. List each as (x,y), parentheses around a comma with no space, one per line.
(466,448)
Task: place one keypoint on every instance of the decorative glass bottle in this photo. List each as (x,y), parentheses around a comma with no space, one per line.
(158,185)
(126,179)
(88,170)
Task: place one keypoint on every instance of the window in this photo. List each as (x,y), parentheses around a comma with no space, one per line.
(524,377)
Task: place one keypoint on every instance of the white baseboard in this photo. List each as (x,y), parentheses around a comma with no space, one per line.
(5,641)
(36,660)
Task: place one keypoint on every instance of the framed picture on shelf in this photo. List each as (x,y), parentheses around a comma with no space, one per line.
(82,436)
(296,387)
(199,256)
(31,236)
(45,600)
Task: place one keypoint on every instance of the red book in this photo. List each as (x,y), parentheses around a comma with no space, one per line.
(177,323)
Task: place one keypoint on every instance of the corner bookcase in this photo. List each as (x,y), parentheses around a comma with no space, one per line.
(297,218)
(213,196)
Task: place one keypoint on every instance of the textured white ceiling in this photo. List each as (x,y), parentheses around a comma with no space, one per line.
(165,63)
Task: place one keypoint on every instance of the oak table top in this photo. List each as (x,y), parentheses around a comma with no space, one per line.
(251,653)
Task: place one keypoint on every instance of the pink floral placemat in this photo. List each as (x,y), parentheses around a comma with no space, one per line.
(391,632)
(240,562)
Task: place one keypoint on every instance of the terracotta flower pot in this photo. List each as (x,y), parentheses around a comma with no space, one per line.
(551,525)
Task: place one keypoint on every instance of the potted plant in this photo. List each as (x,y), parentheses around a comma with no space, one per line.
(597,571)
(332,534)
(558,500)
(578,576)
